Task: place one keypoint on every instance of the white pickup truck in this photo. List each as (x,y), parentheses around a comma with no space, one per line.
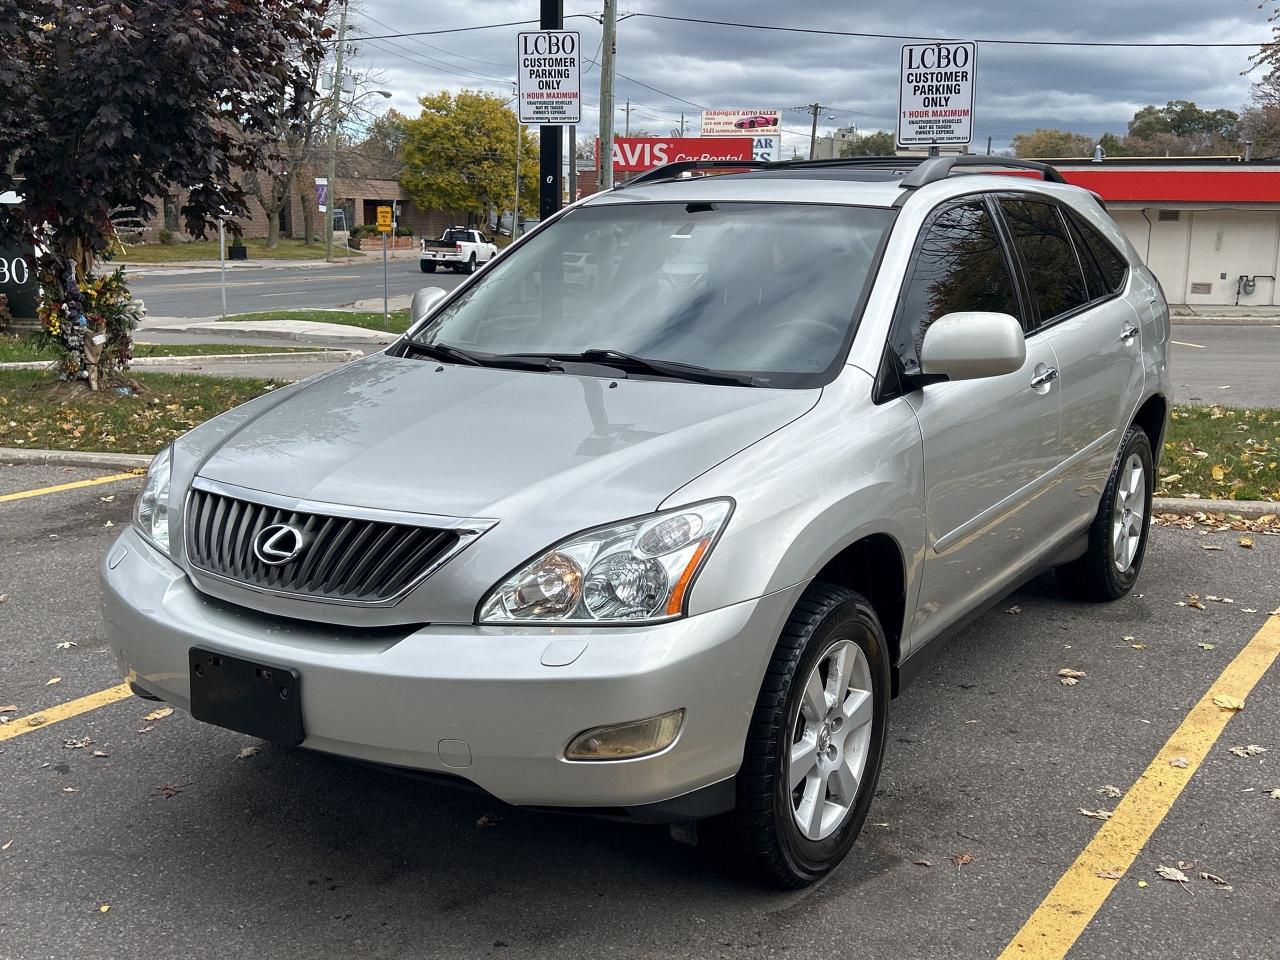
(461,248)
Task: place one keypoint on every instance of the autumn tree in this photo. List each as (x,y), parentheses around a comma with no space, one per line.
(1053,144)
(460,154)
(878,144)
(118,102)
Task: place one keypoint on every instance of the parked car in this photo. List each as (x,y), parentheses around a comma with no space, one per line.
(666,551)
(751,123)
(460,248)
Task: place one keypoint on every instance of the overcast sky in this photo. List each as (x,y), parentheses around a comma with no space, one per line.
(1019,87)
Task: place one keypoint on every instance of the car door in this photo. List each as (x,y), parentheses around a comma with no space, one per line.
(1094,333)
(988,444)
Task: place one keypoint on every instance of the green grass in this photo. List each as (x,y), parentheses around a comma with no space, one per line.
(208,250)
(25,349)
(39,413)
(1221,453)
(372,320)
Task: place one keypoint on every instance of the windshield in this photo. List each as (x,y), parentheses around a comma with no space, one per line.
(770,291)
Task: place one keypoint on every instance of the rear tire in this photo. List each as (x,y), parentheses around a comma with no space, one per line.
(427,267)
(1118,536)
(826,693)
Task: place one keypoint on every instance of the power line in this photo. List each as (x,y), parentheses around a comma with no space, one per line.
(428,46)
(385,46)
(900,36)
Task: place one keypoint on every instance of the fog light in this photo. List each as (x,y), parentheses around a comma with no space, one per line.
(620,741)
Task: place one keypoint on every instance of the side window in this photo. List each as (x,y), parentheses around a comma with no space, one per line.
(1053,272)
(1112,264)
(959,265)
(1097,282)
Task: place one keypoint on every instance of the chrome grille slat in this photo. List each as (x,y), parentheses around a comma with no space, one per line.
(344,559)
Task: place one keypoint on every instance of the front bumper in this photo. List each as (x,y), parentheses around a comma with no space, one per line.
(488,704)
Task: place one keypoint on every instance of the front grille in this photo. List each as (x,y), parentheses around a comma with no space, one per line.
(343,559)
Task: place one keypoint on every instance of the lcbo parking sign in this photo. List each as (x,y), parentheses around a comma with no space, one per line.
(549,71)
(935,98)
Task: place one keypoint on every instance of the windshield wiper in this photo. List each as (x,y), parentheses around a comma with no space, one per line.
(663,368)
(443,351)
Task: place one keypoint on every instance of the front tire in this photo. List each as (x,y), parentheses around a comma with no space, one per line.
(471,265)
(1118,536)
(816,740)
(426,266)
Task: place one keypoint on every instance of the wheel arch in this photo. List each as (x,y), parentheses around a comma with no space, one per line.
(1153,417)
(874,565)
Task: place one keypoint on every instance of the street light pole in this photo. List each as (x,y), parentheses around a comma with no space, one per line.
(331,167)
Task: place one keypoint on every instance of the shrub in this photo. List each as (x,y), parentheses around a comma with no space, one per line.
(165,237)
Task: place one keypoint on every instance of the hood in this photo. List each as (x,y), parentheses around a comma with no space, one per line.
(419,436)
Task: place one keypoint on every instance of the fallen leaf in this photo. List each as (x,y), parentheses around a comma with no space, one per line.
(76,744)
(1228,702)
(147,729)
(1275,794)
(1246,542)
(961,860)
(1068,672)
(158,714)
(66,644)
(1179,762)
(107,499)
(1138,646)
(1193,600)
(923,863)
(1142,883)
(99,753)
(170,789)
(6,845)
(1014,610)
(9,708)
(108,524)
(1214,599)
(104,908)
(1097,814)
(52,680)
(1250,750)
(1107,790)
(4,598)
(36,721)
(488,820)
(1210,546)
(1250,609)
(1128,639)
(246,752)
(1068,681)
(1110,874)
(1217,472)
(1213,878)
(1172,478)
(1172,873)
(1206,646)
(70,790)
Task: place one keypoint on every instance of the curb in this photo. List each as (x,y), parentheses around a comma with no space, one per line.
(75,458)
(311,356)
(218,330)
(1189,506)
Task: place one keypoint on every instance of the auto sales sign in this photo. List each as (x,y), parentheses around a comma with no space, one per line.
(549,75)
(935,96)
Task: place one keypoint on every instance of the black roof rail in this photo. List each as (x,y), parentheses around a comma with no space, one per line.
(933,169)
(670,171)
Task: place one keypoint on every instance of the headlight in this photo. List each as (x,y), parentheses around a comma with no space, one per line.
(638,571)
(152,515)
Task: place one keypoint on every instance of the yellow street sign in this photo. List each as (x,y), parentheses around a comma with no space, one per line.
(384,219)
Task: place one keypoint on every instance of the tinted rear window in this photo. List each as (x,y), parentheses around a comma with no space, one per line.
(1053,273)
(1110,262)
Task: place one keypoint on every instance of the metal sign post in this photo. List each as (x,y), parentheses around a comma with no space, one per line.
(222,258)
(385,226)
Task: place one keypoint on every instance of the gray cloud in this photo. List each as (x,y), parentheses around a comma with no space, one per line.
(1019,88)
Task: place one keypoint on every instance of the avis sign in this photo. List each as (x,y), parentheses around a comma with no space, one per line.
(549,76)
(935,94)
(631,154)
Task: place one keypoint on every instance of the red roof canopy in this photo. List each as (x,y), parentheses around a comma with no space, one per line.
(1185,184)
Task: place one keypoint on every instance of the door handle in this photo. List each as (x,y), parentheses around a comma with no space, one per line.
(1128,333)
(1048,376)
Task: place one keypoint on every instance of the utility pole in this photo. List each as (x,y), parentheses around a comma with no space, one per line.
(814,109)
(682,123)
(988,146)
(331,167)
(627,128)
(550,136)
(608,46)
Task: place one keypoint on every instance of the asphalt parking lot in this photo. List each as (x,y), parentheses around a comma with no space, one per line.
(123,837)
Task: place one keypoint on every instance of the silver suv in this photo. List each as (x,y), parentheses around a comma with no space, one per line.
(661,539)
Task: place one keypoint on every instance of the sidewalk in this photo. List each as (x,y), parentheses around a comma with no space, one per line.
(172,266)
(296,331)
(1212,313)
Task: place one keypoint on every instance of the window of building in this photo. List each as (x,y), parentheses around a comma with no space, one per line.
(959,266)
(1053,272)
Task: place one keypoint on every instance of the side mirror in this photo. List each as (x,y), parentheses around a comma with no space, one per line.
(423,301)
(973,345)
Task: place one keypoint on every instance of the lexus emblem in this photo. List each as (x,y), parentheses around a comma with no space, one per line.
(277,544)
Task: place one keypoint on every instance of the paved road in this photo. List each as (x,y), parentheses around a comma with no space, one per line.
(195,292)
(1228,364)
(290,854)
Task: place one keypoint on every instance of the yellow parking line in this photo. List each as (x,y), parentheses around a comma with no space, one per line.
(1062,916)
(63,711)
(58,488)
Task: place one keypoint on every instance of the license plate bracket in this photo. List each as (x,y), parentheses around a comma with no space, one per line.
(262,700)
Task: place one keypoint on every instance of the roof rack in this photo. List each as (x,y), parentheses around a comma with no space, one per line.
(919,170)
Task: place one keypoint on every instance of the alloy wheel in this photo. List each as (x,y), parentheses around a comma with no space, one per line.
(1127,513)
